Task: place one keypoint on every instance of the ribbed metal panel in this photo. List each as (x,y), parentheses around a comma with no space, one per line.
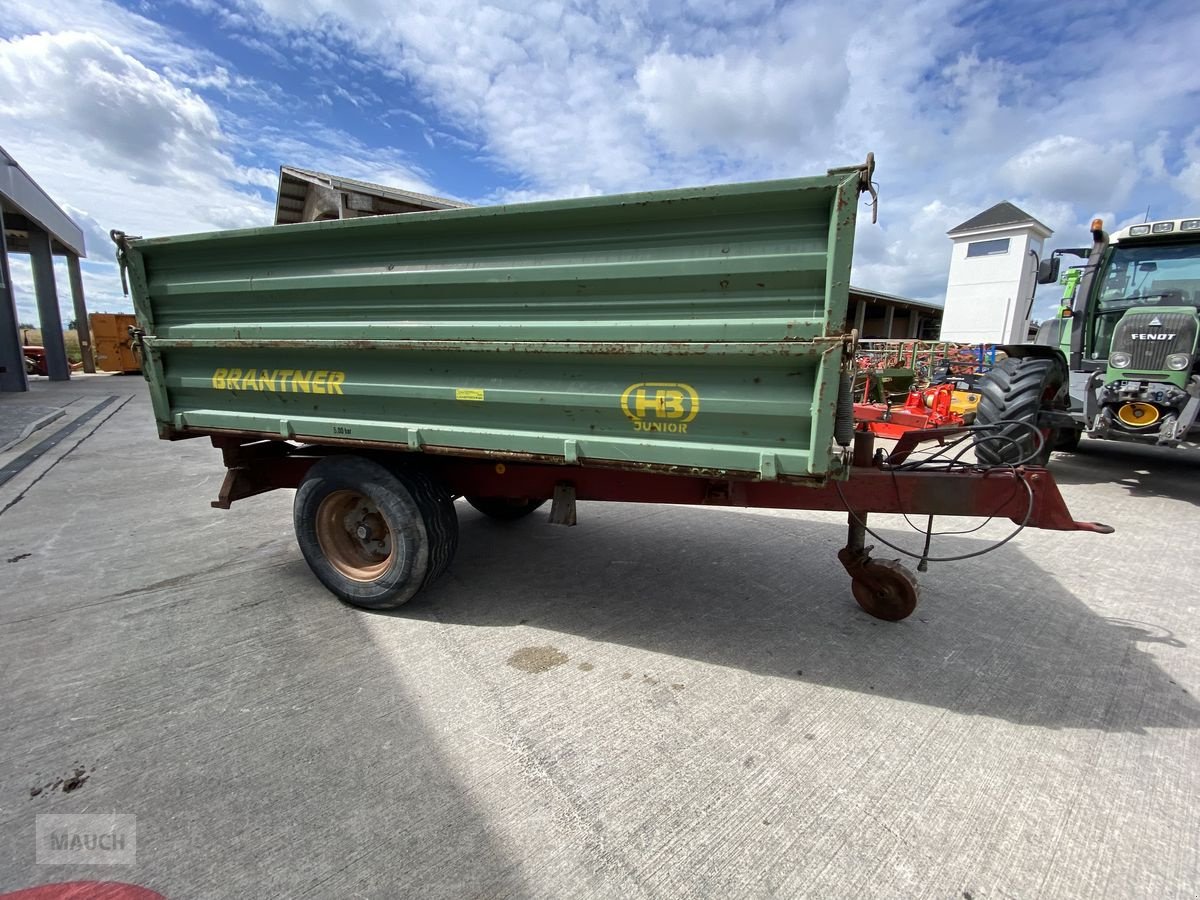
(1151,355)
(726,300)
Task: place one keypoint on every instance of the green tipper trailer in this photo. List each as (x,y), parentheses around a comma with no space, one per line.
(684,346)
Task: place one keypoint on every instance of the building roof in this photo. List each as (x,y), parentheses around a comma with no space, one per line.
(1002,214)
(894,300)
(306,196)
(27,206)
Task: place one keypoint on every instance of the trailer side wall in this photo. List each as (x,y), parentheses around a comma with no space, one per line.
(696,328)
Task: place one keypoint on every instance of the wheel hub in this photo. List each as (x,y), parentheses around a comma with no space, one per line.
(884,588)
(354,536)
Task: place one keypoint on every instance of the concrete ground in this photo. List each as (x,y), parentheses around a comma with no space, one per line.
(717,718)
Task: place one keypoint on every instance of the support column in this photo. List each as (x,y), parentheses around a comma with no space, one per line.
(860,315)
(47,300)
(81,314)
(889,315)
(12,360)
(914,324)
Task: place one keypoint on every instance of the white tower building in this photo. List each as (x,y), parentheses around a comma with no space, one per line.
(993,269)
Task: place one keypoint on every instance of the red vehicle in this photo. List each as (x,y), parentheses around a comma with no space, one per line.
(35,360)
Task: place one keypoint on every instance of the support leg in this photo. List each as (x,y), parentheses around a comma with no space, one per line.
(884,588)
(562,508)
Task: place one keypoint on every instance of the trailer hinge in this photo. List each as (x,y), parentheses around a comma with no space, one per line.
(866,182)
(137,342)
(123,242)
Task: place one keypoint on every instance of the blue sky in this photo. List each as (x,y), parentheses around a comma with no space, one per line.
(161,118)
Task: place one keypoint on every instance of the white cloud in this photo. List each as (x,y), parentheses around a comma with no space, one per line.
(1074,170)
(780,99)
(126,114)
(135,34)
(1188,179)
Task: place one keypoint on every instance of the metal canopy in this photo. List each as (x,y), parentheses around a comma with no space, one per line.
(25,204)
(30,222)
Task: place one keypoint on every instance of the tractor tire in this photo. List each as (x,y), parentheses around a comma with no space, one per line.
(374,537)
(505,509)
(1015,391)
(1068,440)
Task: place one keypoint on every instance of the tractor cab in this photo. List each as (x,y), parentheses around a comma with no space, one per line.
(1129,325)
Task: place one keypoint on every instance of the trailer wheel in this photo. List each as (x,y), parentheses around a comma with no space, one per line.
(1014,392)
(372,537)
(886,590)
(441,519)
(505,509)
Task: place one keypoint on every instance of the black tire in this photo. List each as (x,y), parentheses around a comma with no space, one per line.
(1068,440)
(441,519)
(402,541)
(505,509)
(1015,391)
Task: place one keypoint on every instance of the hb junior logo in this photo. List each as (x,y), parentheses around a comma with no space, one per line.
(660,406)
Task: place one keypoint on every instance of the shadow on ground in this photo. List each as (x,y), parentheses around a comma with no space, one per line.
(262,746)
(765,594)
(1143,471)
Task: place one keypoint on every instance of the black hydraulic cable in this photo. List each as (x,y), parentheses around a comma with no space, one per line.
(951,464)
(940,559)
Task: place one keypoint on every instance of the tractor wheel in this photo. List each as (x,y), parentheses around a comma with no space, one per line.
(372,536)
(1011,396)
(1068,440)
(505,509)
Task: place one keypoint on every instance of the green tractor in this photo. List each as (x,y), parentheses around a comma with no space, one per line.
(1118,362)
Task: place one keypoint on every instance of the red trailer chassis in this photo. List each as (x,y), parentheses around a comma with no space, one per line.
(1027,496)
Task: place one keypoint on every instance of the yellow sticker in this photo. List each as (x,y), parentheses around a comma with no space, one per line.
(468,394)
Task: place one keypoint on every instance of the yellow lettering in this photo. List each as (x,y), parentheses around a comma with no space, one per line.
(641,405)
(667,427)
(670,403)
(306,381)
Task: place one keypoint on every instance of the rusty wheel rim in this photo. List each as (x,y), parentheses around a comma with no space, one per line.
(889,591)
(354,536)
